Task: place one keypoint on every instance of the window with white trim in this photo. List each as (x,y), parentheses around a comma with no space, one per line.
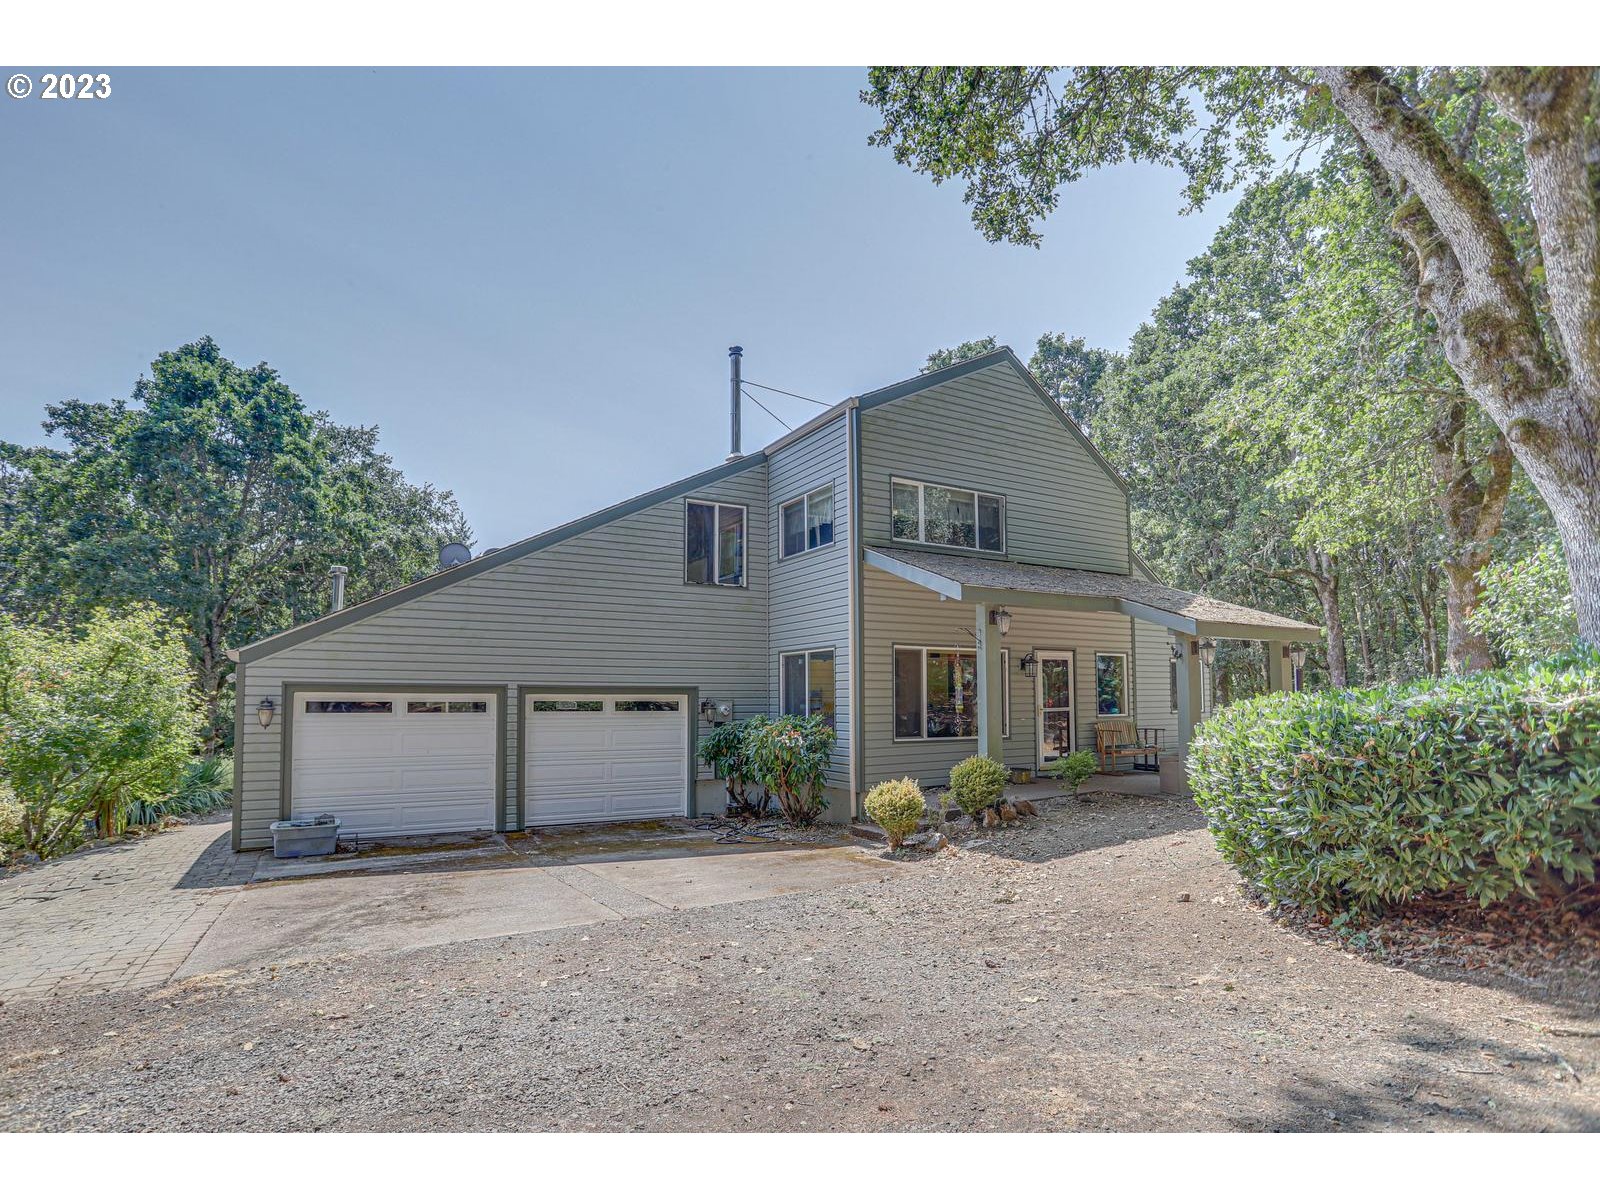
(935,515)
(806,523)
(936,692)
(714,543)
(806,679)
(1111,685)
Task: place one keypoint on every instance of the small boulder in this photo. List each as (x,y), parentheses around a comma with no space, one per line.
(990,818)
(1025,808)
(1184,898)
(935,842)
(1007,812)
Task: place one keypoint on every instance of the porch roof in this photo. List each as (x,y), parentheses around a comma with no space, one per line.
(995,581)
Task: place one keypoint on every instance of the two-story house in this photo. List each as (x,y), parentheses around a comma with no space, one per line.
(939,567)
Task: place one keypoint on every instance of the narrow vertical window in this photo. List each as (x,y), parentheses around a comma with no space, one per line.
(714,543)
(1111,685)
(808,684)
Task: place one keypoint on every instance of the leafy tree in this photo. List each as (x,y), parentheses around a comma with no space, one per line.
(976,348)
(1070,370)
(1527,612)
(92,724)
(1484,175)
(216,494)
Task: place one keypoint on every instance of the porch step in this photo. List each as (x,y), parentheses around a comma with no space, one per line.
(868,832)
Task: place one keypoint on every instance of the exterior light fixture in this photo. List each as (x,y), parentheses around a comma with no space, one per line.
(1297,655)
(264,711)
(1030,664)
(1208,653)
(1177,652)
(1001,620)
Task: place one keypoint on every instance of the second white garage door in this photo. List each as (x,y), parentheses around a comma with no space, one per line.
(605,758)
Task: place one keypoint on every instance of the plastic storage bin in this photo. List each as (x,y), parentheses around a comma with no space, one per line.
(306,837)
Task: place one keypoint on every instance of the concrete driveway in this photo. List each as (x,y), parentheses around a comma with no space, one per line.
(559,879)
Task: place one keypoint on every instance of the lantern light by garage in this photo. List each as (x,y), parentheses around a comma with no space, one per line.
(1029,664)
(264,711)
(1208,653)
(1177,652)
(1297,656)
(1001,620)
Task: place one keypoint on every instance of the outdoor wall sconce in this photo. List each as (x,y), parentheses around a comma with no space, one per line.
(264,711)
(1297,656)
(1177,652)
(1029,664)
(1208,653)
(1001,620)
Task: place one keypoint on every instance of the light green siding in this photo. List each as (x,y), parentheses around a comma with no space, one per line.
(990,430)
(608,606)
(810,600)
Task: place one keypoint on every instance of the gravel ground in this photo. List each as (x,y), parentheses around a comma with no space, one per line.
(1094,968)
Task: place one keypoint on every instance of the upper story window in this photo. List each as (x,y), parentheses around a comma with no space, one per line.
(713,544)
(943,516)
(806,522)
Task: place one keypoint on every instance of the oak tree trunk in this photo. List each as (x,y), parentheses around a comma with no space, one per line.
(1540,387)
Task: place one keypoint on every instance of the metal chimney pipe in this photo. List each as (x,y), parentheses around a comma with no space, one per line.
(735,368)
(336,575)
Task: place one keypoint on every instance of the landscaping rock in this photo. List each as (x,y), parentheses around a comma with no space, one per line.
(1025,808)
(1008,812)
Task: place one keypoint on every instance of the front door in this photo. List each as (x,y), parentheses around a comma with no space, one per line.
(1053,703)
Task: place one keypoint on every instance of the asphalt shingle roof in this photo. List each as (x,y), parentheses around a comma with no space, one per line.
(999,574)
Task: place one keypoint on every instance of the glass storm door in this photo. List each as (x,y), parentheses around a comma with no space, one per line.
(1053,684)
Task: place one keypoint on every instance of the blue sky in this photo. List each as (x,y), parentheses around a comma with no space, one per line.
(528,279)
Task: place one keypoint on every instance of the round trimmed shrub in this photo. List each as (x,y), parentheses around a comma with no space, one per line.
(1488,783)
(977,783)
(897,806)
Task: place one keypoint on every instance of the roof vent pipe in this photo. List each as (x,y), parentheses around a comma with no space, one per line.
(735,367)
(336,575)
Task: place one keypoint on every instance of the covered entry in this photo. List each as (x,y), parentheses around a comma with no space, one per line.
(995,586)
(605,757)
(395,762)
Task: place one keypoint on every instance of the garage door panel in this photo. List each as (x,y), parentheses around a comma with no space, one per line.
(641,771)
(605,764)
(563,735)
(399,772)
(346,737)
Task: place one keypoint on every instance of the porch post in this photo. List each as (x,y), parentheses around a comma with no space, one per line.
(991,685)
(1280,678)
(1188,692)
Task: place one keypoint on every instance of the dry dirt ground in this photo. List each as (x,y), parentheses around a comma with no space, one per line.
(1050,976)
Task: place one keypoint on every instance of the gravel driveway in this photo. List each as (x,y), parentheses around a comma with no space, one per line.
(1048,977)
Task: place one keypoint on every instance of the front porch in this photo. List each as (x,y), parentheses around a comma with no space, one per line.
(989,589)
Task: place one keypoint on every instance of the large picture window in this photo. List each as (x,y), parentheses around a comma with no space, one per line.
(806,523)
(942,516)
(1111,685)
(936,692)
(808,684)
(714,543)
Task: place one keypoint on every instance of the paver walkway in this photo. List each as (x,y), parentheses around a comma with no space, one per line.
(121,916)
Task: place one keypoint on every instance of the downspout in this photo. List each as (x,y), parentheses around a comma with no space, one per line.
(857,757)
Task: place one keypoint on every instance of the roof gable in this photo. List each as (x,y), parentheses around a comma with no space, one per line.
(487,562)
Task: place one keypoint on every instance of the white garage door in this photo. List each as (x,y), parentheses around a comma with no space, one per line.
(395,763)
(605,758)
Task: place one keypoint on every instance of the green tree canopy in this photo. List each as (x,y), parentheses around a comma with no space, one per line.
(215,493)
